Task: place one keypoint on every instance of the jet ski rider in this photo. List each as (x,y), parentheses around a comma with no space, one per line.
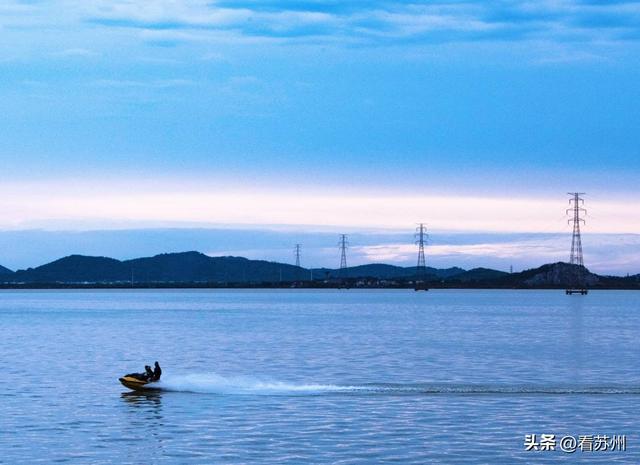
(149,375)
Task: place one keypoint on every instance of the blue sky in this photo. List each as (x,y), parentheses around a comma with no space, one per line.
(123,103)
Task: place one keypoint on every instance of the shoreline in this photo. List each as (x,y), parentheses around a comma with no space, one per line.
(292,286)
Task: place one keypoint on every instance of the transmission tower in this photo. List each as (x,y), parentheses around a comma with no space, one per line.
(421,268)
(343,244)
(576,257)
(296,251)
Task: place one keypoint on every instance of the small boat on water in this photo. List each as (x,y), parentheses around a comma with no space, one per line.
(137,383)
(146,381)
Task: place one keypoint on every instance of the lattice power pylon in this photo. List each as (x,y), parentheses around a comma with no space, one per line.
(575,258)
(421,267)
(343,244)
(296,251)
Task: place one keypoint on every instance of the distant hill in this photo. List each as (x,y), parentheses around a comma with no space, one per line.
(4,270)
(373,270)
(73,269)
(442,273)
(172,268)
(553,275)
(196,267)
(478,275)
(199,269)
(384,271)
(557,274)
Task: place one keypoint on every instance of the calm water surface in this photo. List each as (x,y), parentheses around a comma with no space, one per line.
(316,377)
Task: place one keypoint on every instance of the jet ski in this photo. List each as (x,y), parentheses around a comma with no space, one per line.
(138,382)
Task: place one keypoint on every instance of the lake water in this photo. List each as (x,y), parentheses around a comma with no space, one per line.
(348,377)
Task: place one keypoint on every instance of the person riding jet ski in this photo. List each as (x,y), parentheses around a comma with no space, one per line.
(142,381)
(149,375)
(146,376)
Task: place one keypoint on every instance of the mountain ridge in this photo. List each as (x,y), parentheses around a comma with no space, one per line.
(197,268)
(4,270)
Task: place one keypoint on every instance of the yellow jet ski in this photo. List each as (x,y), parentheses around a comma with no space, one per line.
(138,383)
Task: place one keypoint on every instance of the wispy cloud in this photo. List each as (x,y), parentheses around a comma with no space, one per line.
(74,52)
(544,248)
(604,253)
(148,84)
(246,204)
(578,30)
(379,20)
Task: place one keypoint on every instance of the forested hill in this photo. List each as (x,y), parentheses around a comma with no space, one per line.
(200,269)
(4,270)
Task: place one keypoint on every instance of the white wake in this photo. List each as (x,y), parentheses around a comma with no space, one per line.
(211,383)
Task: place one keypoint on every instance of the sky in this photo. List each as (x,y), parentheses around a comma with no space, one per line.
(299,120)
